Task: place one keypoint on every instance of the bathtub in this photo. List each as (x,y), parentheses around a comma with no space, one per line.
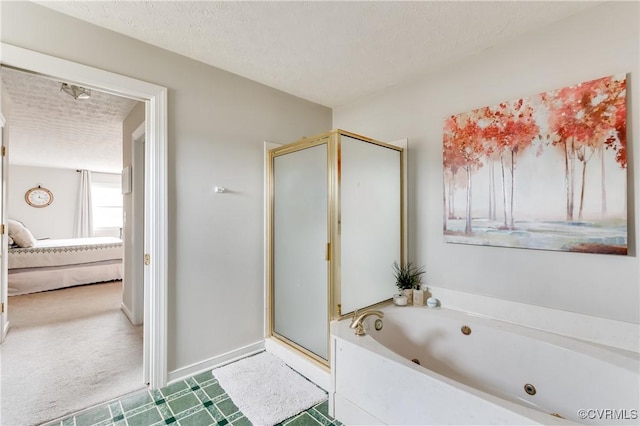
(498,373)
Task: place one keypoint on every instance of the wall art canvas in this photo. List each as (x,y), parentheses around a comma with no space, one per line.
(545,172)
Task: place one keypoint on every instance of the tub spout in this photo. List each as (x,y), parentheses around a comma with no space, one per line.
(357,320)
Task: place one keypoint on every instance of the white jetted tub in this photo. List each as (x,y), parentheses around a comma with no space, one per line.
(498,373)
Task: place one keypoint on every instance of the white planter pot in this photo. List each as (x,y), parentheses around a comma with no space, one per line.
(409,294)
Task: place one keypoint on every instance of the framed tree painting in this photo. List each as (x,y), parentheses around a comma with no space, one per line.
(545,172)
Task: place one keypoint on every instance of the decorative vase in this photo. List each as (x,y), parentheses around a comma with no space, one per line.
(418,298)
(409,293)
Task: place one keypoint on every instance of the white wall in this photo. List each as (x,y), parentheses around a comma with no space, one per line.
(55,220)
(58,219)
(601,41)
(133,211)
(217,125)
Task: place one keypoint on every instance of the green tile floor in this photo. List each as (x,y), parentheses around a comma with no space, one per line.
(196,401)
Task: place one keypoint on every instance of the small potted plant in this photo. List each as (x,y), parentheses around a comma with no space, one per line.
(408,277)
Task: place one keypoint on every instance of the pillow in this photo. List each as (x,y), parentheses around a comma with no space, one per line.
(14,227)
(21,235)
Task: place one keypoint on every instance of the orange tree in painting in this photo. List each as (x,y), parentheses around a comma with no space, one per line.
(618,140)
(463,148)
(511,129)
(484,134)
(586,119)
(452,164)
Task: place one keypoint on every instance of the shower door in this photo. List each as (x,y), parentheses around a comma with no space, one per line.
(370,221)
(300,234)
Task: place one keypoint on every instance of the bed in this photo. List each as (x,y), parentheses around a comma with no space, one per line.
(58,263)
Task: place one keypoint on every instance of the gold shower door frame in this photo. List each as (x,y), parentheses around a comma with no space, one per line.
(333,249)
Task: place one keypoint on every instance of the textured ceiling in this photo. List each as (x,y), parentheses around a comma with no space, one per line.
(329,52)
(49,128)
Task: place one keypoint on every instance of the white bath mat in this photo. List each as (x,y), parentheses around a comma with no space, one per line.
(266,390)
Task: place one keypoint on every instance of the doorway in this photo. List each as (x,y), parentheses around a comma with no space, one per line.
(155,189)
(69,345)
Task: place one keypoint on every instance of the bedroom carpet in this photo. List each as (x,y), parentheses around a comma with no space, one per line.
(67,350)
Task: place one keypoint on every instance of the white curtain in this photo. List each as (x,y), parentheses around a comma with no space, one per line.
(84,213)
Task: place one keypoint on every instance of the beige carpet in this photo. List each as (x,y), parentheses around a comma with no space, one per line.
(67,350)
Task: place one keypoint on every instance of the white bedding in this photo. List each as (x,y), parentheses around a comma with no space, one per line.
(32,280)
(61,252)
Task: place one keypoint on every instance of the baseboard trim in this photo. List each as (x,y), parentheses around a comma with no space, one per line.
(7,325)
(604,331)
(216,361)
(127,313)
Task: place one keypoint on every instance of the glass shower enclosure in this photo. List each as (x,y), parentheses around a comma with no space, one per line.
(335,227)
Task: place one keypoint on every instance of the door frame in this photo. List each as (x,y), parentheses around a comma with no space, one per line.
(156,197)
(137,221)
(4,246)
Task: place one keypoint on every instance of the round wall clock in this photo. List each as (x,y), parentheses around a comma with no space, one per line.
(38,197)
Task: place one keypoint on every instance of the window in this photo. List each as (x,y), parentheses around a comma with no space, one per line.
(106,198)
